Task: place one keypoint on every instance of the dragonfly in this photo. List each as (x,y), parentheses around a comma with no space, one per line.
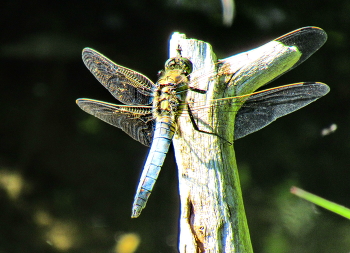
(150,111)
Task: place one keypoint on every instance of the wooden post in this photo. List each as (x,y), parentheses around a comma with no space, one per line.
(212,217)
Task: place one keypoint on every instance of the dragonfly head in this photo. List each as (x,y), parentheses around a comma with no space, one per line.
(179,62)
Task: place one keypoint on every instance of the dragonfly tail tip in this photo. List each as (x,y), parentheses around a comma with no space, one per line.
(135,212)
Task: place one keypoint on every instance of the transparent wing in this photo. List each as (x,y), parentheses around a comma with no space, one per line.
(259,109)
(263,108)
(126,85)
(307,39)
(247,71)
(136,121)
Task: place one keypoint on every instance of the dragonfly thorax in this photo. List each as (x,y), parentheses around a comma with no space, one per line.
(171,91)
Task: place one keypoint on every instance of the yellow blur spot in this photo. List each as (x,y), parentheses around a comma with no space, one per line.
(61,236)
(127,243)
(12,183)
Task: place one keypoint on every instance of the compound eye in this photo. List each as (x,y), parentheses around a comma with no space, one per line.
(170,63)
(187,66)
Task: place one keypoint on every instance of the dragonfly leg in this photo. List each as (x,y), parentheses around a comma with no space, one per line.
(195,126)
(198,90)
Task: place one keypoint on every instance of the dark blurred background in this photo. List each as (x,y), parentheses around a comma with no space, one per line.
(67,180)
